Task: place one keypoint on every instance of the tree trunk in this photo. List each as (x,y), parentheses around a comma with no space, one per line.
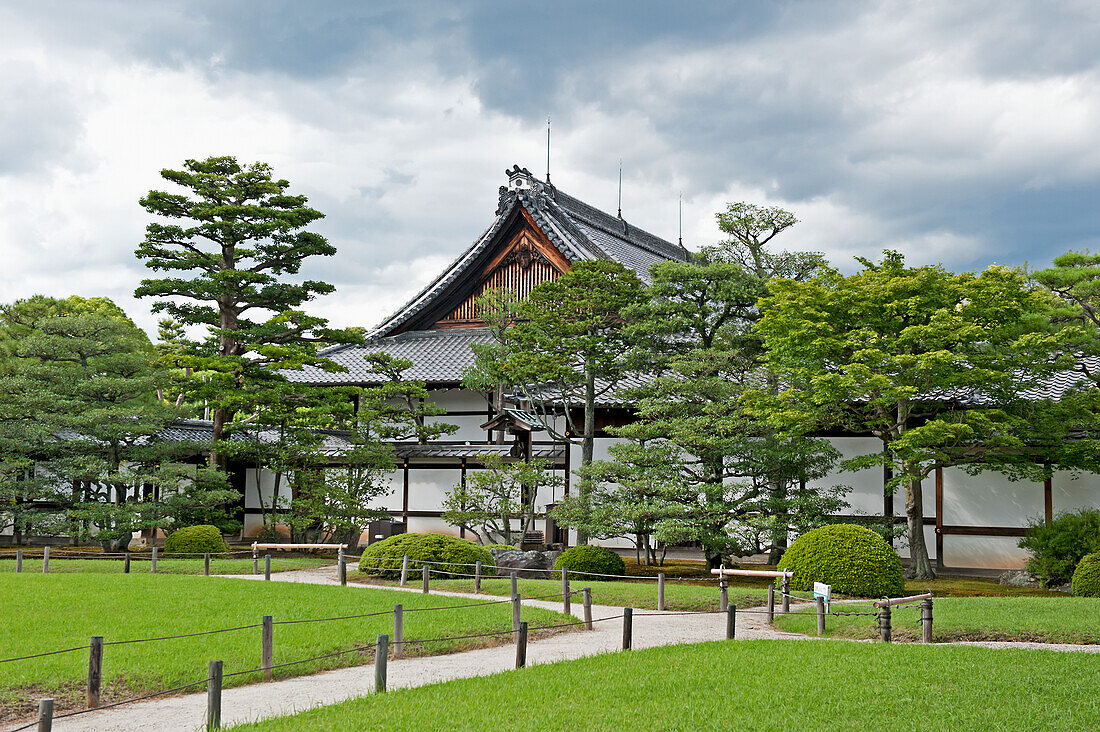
(216,460)
(588,443)
(919,565)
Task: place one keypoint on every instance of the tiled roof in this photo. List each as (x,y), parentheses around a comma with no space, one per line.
(476,450)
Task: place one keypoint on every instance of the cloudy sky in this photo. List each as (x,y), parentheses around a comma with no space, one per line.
(967,133)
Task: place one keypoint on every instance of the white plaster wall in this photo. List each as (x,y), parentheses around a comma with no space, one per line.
(986,499)
(986,552)
(1071,492)
(392,500)
(428,487)
(463,400)
(259,485)
(469,427)
(866,485)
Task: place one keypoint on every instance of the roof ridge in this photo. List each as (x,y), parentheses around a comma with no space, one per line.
(632,235)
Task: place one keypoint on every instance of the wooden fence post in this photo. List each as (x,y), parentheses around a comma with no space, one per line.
(95,671)
(771,602)
(267,650)
(267,567)
(785,588)
(214,696)
(18,560)
(45,560)
(723,596)
(255,562)
(731,622)
(477,577)
(884,624)
(426,573)
(565,604)
(404,569)
(343,570)
(398,630)
(628,622)
(926,619)
(153,562)
(516,609)
(206,564)
(515,583)
(820,602)
(45,715)
(587,608)
(661,591)
(126,564)
(381,652)
(521,645)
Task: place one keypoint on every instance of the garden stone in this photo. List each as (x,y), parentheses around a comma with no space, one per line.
(1019,578)
(528,565)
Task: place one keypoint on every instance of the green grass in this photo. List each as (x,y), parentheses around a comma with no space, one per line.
(140,564)
(759,685)
(1042,619)
(55,611)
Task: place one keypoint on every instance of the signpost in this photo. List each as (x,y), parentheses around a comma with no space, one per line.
(824,591)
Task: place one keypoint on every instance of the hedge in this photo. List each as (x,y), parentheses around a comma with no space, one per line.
(587,559)
(1086,578)
(852,559)
(444,553)
(200,539)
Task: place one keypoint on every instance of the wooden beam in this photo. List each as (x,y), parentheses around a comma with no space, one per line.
(939,518)
(982,530)
(1048,498)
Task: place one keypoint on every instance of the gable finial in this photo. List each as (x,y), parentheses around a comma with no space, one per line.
(682,221)
(620,188)
(547,148)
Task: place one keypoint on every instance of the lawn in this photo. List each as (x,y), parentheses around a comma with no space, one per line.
(761,685)
(140,564)
(56,611)
(1041,619)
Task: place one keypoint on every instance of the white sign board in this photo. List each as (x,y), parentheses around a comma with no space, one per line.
(823,590)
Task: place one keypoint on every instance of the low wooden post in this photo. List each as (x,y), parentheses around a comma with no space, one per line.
(18,560)
(404,569)
(731,622)
(771,602)
(267,650)
(926,619)
(45,560)
(515,583)
(267,567)
(45,715)
(381,653)
(785,588)
(661,591)
(398,630)
(884,623)
(587,608)
(516,609)
(214,696)
(565,608)
(126,564)
(477,577)
(343,570)
(628,622)
(340,555)
(153,563)
(95,671)
(255,562)
(820,602)
(723,596)
(206,564)
(426,573)
(521,645)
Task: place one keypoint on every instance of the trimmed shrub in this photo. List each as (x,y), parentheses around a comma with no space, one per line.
(1086,578)
(444,553)
(852,559)
(587,558)
(195,540)
(1057,547)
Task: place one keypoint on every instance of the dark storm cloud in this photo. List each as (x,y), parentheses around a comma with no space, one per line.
(39,121)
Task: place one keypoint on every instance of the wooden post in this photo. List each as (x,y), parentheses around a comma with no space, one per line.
(45,560)
(565,608)
(95,671)
(477,577)
(628,622)
(926,619)
(515,583)
(126,564)
(404,569)
(18,560)
(214,696)
(45,715)
(206,564)
(587,595)
(426,573)
(884,624)
(731,622)
(343,570)
(820,602)
(771,602)
(153,562)
(661,591)
(521,645)
(785,586)
(516,607)
(255,562)
(267,651)
(340,555)
(267,567)
(398,630)
(723,596)
(381,652)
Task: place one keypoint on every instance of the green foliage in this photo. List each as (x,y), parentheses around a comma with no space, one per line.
(195,540)
(444,553)
(591,561)
(490,503)
(853,560)
(1086,578)
(1057,547)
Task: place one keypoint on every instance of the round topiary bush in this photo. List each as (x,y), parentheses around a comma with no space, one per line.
(587,559)
(444,553)
(852,559)
(195,540)
(1086,578)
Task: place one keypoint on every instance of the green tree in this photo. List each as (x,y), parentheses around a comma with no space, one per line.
(930,362)
(496,504)
(500,310)
(233,245)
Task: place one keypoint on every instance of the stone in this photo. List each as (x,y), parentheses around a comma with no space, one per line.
(528,565)
(1019,578)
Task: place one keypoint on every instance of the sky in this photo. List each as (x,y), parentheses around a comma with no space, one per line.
(961,133)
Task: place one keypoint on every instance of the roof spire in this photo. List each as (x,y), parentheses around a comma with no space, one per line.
(547,148)
(620,188)
(682,221)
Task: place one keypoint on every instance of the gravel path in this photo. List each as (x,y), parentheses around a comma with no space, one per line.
(256,701)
